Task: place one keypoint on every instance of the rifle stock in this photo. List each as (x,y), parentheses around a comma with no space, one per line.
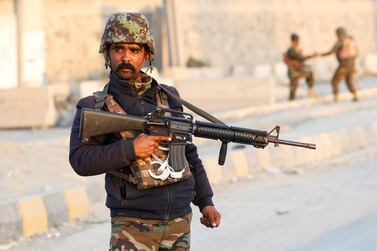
(97,122)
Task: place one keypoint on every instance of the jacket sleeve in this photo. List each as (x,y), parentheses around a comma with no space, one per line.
(203,188)
(95,156)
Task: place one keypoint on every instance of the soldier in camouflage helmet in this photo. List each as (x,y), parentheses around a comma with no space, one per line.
(126,27)
(156,216)
(346,53)
(297,69)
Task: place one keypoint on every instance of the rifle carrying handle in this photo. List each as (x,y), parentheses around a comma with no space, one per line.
(222,154)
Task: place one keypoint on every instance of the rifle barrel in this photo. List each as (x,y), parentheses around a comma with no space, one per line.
(292,143)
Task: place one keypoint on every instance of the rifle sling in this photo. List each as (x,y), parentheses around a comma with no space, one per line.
(204,114)
(192,107)
(100,97)
(100,101)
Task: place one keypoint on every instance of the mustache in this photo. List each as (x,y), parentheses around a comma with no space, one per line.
(128,66)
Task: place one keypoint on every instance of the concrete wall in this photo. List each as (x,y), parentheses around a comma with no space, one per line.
(32,41)
(73,33)
(22,41)
(227,93)
(251,32)
(8,45)
(222,33)
(58,39)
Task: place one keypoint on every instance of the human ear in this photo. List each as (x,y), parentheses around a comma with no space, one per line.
(147,56)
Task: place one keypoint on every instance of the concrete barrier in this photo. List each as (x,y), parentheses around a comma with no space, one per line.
(194,73)
(227,93)
(370,64)
(263,71)
(329,144)
(10,222)
(281,73)
(323,68)
(27,107)
(240,163)
(215,175)
(36,214)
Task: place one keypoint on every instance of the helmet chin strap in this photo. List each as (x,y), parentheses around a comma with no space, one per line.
(107,59)
(150,66)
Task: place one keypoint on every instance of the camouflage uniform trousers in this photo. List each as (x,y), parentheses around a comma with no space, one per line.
(150,235)
(347,73)
(294,76)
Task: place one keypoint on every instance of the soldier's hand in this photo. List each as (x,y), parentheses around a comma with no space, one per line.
(145,145)
(211,217)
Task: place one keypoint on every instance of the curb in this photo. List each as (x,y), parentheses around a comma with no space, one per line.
(245,163)
(36,214)
(259,110)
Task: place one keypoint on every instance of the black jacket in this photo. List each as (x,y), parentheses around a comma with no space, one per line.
(110,152)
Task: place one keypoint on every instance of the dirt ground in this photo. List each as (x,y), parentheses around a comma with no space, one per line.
(35,161)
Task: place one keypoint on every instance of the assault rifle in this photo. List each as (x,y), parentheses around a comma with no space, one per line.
(179,128)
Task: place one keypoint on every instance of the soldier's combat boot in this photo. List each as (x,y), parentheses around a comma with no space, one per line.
(291,96)
(336,98)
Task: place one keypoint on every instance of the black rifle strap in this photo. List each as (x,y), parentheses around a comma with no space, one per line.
(192,107)
(100,97)
(204,114)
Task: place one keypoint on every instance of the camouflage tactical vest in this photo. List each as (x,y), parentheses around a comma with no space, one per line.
(143,168)
(348,48)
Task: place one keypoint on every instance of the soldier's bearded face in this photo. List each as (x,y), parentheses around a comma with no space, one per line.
(126,59)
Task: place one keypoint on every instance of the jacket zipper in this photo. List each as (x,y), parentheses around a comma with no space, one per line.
(168,204)
(142,104)
(140,99)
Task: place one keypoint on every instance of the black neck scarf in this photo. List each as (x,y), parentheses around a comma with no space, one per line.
(125,94)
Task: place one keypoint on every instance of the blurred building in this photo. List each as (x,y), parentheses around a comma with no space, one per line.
(53,41)
(49,41)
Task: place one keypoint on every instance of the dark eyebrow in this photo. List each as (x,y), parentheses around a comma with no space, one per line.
(122,46)
(117,46)
(136,46)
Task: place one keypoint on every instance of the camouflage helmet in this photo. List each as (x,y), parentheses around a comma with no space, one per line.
(341,31)
(129,28)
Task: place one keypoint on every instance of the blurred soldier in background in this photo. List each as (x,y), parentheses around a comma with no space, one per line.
(346,52)
(149,210)
(297,68)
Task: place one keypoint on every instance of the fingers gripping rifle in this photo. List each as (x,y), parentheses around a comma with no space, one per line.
(96,122)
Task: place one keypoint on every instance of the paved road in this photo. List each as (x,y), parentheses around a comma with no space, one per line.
(328,206)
